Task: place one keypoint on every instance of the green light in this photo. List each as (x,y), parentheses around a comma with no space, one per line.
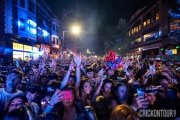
(162,49)
(177,47)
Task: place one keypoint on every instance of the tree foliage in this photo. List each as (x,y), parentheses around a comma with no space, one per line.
(116,37)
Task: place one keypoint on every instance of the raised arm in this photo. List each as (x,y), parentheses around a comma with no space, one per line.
(66,78)
(77,60)
(99,87)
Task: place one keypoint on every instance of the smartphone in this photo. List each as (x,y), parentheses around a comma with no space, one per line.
(140,92)
(67,94)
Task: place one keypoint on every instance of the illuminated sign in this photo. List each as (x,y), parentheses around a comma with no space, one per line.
(171,52)
(32,26)
(45,33)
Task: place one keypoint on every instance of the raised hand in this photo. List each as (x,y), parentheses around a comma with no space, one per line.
(56,98)
(140,102)
(100,73)
(77,59)
(71,66)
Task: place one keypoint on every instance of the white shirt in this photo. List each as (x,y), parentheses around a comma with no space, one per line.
(6,97)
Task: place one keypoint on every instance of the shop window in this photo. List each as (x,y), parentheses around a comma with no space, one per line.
(17,46)
(132,31)
(139,27)
(27,48)
(157,16)
(129,33)
(148,21)
(57,41)
(54,40)
(17,55)
(144,24)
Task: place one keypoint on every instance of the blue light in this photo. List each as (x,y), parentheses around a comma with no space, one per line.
(32,26)
(41,52)
(33,30)
(8,50)
(31,22)
(45,33)
(19,23)
(160,33)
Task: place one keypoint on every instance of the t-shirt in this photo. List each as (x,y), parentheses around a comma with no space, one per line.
(6,97)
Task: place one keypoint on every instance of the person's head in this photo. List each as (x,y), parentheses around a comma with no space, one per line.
(130,71)
(71,81)
(44,79)
(44,71)
(52,86)
(53,76)
(69,102)
(122,92)
(85,86)
(102,107)
(33,92)
(164,82)
(14,77)
(123,112)
(133,85)
(151,96)
(89,72)
(16,103)
(45,102)
(107,86)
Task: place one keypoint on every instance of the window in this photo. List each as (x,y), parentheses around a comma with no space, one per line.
(22,3)
(17,46)
(157,16)
(21,24)
(132,31)
(54,40)
(139,27)
(129,33)
(31,7)
(144,23)
(148,21)
(27,48)
(57,41)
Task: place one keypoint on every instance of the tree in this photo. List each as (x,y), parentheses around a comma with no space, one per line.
(117,38)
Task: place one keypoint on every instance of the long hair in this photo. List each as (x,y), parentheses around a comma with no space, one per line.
(123,112)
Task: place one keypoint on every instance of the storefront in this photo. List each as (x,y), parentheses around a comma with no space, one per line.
(25,52)
(45,49)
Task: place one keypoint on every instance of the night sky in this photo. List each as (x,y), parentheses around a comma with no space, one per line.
(96,15)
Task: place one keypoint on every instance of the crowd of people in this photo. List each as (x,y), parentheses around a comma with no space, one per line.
(76,87)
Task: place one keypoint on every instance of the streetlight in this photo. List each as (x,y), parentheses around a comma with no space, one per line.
(75,29)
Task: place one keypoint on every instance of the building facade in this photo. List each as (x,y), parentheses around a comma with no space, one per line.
(152,29)
(27,29)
